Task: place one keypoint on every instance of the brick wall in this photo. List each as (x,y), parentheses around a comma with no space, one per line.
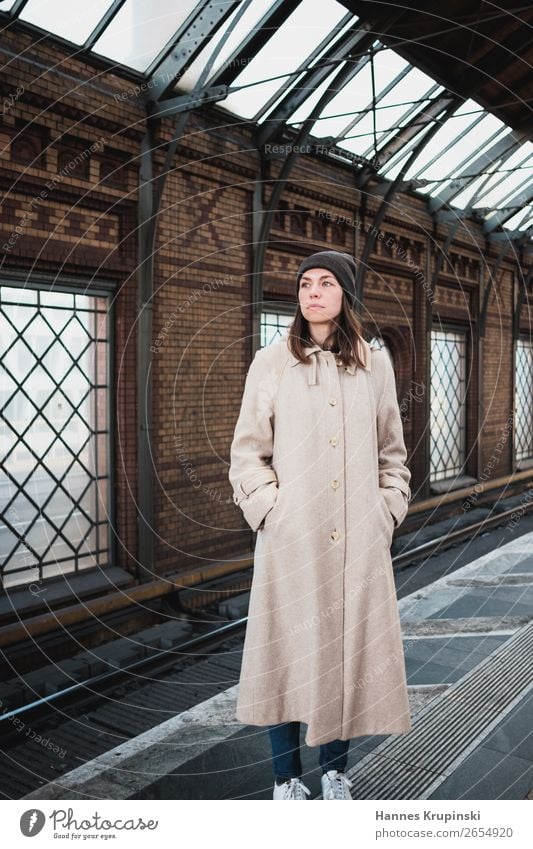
(68,175)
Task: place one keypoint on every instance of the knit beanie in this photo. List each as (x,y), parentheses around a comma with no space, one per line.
(341,264)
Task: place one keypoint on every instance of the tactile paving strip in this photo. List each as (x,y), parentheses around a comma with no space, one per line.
(412,766)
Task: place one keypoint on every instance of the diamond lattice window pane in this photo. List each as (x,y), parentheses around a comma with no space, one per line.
(40,536)
(524,400)
(18,466)
(8,440)
(38,387)
(18,353)
(51,433)
(448,394)
(79,489)
(56,319)
(18,315)
(75,385)
(39,436)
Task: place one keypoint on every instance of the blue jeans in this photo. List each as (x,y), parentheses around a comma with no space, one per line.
(285,742)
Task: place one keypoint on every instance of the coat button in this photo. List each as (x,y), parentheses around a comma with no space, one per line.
(332,401)
(335,484)
(333,440)
(334,535)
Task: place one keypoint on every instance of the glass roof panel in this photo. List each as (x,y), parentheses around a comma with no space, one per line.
(414,86)
(361,137)
(459,178)
(294,84)
(468,192)
(357,95)
(5,5)
(247,23)
(354,96)
(522,220)
(289,46)
(307,107)
(391,169)
(141,30)
(387,66)
(416,117)
(468,145)
(519,194)
(511,180)
(70,19)
(451,131)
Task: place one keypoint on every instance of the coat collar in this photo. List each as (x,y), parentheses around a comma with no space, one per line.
(364,350)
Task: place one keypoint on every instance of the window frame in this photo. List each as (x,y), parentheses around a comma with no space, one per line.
(100,288)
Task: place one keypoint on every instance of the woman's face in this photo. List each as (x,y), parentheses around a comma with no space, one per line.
(319,295)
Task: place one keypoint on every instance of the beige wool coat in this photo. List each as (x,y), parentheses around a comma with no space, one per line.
(317,466)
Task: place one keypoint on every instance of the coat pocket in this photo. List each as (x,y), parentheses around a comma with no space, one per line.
(258,503)
(270,514)
(389,518)
(396,501)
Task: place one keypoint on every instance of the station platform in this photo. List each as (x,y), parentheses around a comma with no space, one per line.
(468,641)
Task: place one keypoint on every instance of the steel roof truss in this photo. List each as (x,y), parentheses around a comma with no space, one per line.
(196,32)
(359,37)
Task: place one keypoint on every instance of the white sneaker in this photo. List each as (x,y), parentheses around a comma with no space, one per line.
(335,785)
(292,789)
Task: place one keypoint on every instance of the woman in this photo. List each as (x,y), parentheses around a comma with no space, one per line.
(318,469)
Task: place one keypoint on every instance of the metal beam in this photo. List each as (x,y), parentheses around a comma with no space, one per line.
(262,232)
(437,108)
(382,94)
(187,102)
(190,39)
(151,189)
(511,235)
(518,201)
(17,8)
(102,24)
(392,189)
(356,37)
(456,216)
(254,41)
(413,110)
(472,170)
(144,341)
(519,300)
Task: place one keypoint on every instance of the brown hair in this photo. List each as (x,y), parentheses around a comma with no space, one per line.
(343,340)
